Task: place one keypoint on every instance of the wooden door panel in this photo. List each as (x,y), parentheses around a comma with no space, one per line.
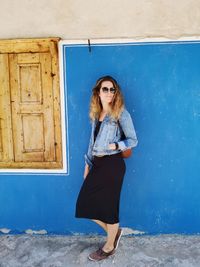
(32,108)
(33,130)
(30,83)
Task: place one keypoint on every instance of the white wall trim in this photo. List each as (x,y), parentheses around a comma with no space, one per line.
(128,41)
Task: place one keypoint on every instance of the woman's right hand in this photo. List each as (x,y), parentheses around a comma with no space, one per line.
(86,171)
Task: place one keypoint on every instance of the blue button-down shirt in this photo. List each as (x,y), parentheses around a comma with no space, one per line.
(111,131)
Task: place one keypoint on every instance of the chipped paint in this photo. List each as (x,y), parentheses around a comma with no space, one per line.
(40,232)
(5,230)
(126,231)
(130,231)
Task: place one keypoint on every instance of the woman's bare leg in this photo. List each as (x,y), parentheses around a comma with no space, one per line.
(111,234)
(111,230)
(102,224)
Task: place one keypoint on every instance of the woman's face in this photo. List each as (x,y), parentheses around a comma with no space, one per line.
(107,92)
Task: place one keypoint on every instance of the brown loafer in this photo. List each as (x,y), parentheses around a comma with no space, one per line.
(117,238)
(100,255)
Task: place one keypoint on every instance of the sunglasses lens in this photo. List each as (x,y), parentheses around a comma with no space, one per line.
(105,89)
(112,90)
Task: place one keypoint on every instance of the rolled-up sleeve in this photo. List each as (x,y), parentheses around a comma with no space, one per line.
(126,124)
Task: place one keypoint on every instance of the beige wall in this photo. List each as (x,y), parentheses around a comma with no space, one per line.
(77,19)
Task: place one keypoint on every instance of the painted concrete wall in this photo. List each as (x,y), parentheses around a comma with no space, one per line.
(161,187)
(71,19)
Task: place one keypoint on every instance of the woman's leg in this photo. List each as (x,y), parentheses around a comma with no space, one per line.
(102,224)
(112,230)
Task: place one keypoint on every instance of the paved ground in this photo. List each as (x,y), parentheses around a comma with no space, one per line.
(71,251)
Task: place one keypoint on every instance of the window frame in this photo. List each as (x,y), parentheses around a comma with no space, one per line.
(37,46)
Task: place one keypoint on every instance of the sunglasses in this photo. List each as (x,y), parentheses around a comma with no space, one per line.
(106,90)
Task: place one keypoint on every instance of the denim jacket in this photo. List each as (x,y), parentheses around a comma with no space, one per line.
(111,131)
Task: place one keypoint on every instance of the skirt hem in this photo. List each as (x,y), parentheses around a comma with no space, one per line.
(94,218)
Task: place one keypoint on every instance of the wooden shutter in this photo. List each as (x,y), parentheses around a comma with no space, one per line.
(30,126)
(6,143)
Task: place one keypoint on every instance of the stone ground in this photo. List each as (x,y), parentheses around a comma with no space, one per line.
(70,251)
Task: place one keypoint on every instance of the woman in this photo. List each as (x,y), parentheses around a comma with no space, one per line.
(99,196)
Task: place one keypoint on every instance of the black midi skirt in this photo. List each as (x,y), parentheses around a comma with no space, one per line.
(100,193)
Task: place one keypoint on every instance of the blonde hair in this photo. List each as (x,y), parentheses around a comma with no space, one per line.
(117,104)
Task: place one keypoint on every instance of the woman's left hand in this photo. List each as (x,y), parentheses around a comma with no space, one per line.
(112,146)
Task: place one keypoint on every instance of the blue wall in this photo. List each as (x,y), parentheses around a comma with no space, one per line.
(160,82)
